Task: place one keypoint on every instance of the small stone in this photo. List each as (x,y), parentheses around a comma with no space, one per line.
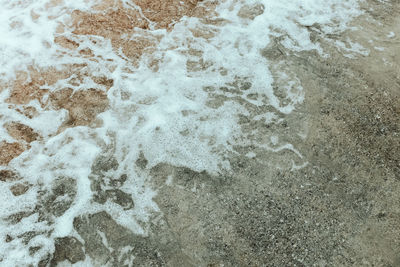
(8,239)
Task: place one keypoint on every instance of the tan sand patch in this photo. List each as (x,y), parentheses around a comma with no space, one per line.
(112,20)
(21,132)
(9,151)
(83,106)
(19,189)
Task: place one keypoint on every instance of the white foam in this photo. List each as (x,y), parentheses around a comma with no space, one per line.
(352,48)
(391,35)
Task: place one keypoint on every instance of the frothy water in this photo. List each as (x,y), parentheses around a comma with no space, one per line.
(179,104)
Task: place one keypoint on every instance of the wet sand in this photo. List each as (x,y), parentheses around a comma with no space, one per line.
(334,203)
(342,208)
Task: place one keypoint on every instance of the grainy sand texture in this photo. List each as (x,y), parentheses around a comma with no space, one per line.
(200,133)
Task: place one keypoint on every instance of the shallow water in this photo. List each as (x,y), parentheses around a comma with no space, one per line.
(177,99)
